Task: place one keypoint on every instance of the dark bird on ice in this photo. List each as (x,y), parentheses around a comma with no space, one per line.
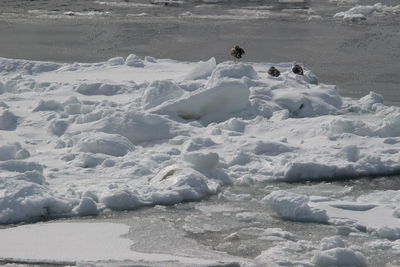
(237,52)
(297,69)
(274,72)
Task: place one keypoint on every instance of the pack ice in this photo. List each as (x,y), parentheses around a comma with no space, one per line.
(362,12)
(80,139)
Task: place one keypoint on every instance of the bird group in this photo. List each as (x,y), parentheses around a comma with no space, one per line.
(237,52)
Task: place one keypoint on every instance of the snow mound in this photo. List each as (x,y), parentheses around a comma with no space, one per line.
(307,102)
(213,104)
(175,184)
(13,151)
(22,200)
(136,126)
(121,200)
(200,160)
(8,121)
(134,61)
(109,144)
(159,92)
(233,71)
(202,70)
(294,207)
(340,257)
(269,148)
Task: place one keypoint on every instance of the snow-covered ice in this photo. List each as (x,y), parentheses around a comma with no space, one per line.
(85,138)
(201,120)
(362,12)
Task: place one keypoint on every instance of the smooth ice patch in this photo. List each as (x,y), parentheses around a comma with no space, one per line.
(77,242)
(294,207)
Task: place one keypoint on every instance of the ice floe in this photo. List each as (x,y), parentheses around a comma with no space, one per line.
(81,139)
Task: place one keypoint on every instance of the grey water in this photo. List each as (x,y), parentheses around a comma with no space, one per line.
(357,57)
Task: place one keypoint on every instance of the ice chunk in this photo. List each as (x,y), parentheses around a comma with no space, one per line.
(200,160)
(215,103)
(198,143)
(115,61)
(389,232)
(58,127)
(109,144)
(350,153)
(26,66)
(339,257)
(31,176)
(202,70)
(361,12)
(332,242)
(234,124)
(20,166)
(45,105)
(308,102)
(134,61)
(300,171)
(137,126)
(121,200)
(176,184)
(235,71)
(87,160)
(24,200)
(4,105)
(150,59)
(86,207)
(367,102)
(159,92)
(13,151)
(294,207)
(8,121)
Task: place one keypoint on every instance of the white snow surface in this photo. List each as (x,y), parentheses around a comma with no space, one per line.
(77,139)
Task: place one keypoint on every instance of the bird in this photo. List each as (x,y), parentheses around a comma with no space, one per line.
(274,72)
(237,52)
(297,69)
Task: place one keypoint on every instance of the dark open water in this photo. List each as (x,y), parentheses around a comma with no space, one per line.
(358,57)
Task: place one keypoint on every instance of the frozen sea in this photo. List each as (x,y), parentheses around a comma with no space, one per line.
(128,137)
